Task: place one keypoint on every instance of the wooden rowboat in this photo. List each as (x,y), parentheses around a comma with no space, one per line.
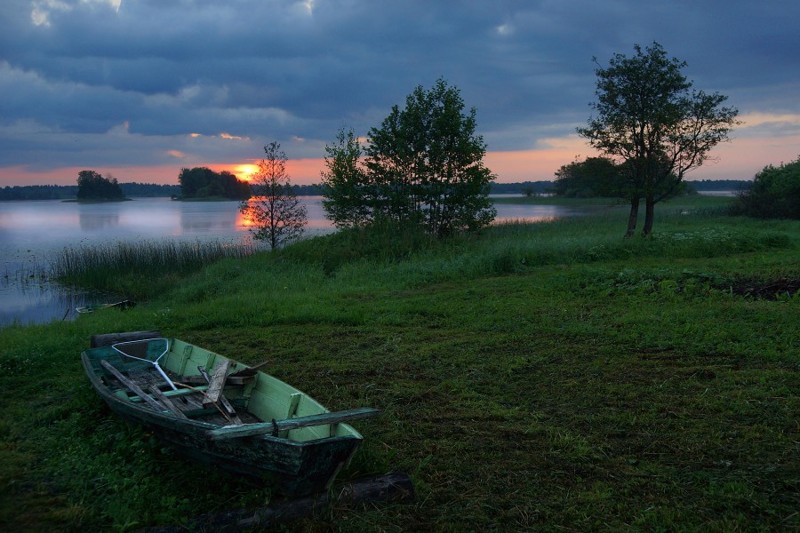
(91,308)
(223,412)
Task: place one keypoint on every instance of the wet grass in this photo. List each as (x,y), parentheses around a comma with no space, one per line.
(548,377)
(138,269)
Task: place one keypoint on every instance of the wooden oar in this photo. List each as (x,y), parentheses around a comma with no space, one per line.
(134,388)
(276,426)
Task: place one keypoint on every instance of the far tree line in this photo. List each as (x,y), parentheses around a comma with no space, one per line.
(160,190)
(424,164)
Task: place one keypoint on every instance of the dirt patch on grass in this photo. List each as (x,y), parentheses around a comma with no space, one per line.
(767,289)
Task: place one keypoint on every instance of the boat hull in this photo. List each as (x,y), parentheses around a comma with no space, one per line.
(295,465)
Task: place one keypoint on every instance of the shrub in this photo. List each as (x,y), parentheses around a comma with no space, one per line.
(775,193)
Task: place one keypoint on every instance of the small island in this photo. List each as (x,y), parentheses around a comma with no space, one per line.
(93,187)
(203,184)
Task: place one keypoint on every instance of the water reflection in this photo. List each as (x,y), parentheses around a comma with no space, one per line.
(29,298)
(216,218)
(316,222)
(98,221)
(32,232)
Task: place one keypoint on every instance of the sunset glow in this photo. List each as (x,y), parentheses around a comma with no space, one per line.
(245,171)
(144,117)
(245,219)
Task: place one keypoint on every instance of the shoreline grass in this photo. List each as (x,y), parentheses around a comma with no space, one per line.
(139,269)
(547,376)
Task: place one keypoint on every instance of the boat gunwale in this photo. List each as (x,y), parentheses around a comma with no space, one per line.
(145,415)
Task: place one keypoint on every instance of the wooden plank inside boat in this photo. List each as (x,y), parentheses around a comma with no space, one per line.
(276,426)
(132,386)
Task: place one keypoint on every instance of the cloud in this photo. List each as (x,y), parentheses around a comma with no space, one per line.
(184,75)
(756,123)
(229,137)
(41,9)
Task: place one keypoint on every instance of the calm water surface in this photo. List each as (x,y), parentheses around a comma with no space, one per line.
(32,232)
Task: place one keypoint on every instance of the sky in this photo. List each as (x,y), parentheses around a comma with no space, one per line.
(138,89)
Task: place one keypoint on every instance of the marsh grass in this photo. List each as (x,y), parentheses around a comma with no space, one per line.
(534,377)
(139,269)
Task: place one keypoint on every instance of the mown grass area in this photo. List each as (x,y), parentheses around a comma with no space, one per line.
(549,376)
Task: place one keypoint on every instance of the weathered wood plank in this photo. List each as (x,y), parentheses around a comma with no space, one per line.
(293,403)
(229,410)
(276,426)
(178,392)
(232,379)
(221,401)
(217,381)
(132,386)
(166,401)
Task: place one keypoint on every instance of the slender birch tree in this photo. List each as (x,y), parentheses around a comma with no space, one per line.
(277,214)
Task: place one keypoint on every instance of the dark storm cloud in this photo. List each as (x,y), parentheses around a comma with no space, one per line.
(127,82)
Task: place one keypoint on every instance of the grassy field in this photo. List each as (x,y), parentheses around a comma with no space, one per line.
(551,376)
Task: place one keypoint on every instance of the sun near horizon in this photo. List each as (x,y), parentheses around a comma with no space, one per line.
(245,171)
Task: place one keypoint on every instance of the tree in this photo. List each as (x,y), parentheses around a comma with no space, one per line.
(651,121)
(423,165)
(202,182)
(347,195)
(775,193)
(93,186)
(595,176)
(277,214)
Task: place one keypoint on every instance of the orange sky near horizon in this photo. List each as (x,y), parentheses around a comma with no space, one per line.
(739,159)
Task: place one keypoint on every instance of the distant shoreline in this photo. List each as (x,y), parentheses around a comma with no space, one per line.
(152,190)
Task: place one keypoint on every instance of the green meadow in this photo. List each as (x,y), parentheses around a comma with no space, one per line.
(551,376)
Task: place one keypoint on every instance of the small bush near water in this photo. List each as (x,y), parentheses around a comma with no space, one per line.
(139,269)
(775,193)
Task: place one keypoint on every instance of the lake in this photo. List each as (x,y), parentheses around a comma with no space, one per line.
(32,232)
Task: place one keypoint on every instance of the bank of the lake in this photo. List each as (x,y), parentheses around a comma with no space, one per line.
(535,377)
(37,232)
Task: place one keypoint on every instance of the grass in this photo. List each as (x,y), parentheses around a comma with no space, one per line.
(139,269)
(549,376)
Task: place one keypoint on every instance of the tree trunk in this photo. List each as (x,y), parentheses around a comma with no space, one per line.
(649,213)
(633,217)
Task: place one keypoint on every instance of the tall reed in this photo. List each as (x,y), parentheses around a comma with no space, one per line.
(139,268)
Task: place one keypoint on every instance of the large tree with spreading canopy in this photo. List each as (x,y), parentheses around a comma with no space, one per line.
(650,120)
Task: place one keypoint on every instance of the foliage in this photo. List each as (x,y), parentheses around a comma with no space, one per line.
(720,185)
(595,176)
(61,192)
(617,384)
(527,188)
(202,182)
(348,196)
(138,269)
(650,119)
(93,186)
(149,190)
(775,193)
(424,165)
(38,192)
(276,214)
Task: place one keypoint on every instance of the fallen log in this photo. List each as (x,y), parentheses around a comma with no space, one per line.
(395,487)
